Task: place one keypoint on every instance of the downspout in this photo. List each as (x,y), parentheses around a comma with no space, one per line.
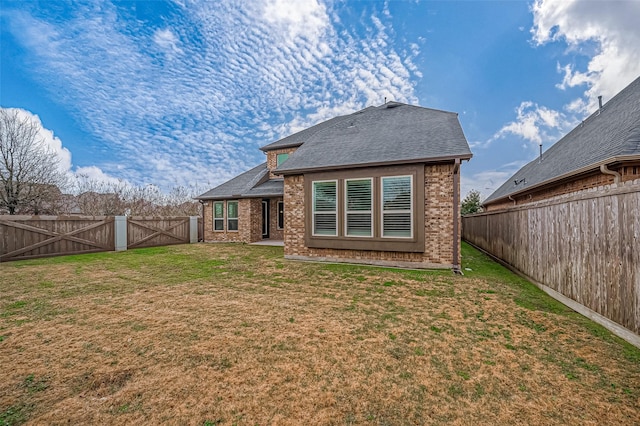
(456,217)
(202,203)
(511,198)
(605,170)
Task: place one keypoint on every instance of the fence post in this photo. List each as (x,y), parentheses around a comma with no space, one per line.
(193,229)
(120,232)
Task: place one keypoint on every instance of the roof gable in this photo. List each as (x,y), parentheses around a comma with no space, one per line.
(610,133)
(391,133)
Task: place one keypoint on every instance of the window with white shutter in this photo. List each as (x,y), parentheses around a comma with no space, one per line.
(358,208)
(325,208)
(397,202)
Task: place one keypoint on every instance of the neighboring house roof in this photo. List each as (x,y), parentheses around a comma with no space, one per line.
(392,133)
(608,135)
(250,184)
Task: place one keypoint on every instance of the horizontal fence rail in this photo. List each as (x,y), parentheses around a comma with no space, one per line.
(29,237)
(585,247)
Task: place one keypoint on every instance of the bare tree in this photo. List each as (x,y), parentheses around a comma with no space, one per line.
(100,198)
(29,174)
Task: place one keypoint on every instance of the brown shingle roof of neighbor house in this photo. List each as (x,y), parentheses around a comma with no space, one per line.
(393,133)
(250,184)
(610,134)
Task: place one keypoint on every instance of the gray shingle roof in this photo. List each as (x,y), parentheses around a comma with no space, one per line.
(302,136)
(391,133)
(605,136)
(250,184)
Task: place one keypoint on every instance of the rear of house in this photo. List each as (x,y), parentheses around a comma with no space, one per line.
(380,186)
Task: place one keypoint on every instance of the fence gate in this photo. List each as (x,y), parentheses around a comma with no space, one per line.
(27,237)
(158,231)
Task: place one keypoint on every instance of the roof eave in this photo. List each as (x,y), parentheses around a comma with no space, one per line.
(580,171)
(466,157)
(240,196)
(284,146)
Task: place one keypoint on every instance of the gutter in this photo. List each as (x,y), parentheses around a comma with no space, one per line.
(456,217)
(567,175)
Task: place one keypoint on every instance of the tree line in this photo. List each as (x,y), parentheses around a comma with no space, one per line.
(32,182)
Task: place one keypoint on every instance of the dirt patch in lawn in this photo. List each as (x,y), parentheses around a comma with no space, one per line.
(231,334)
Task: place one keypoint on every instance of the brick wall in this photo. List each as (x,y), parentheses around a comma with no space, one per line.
(274,232)
(592,180)
(272,159)
(249,223)
(438,225)
(251,214)
(438,212)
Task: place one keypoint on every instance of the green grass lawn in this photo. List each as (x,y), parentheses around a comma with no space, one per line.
(234,334)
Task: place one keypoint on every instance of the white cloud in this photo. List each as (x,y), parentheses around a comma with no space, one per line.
(62,154)
(167,41)
(240,75)
(47,138)
(301,18)
(95,174)
(612,26)
(535,124)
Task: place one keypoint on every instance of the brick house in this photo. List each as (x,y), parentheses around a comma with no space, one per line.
(602,150)
(379,186)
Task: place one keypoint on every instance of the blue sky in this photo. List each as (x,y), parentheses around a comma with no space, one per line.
(184,92)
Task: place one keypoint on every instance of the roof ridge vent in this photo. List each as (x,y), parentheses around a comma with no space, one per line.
(392,104)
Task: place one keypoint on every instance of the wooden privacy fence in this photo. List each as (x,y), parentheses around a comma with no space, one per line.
(28,237)
(585,247)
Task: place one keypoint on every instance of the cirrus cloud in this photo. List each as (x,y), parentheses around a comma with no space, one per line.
(188,98)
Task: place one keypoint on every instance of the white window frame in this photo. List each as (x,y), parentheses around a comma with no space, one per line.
(347,211)
(278,204)
(213,214)
(383,211)
(313,208)
(233,218)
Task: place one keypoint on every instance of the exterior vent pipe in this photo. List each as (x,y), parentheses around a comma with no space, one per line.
(600,102)
(540,158)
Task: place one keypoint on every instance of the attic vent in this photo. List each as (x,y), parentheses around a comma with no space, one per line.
(517,182)
(392,105)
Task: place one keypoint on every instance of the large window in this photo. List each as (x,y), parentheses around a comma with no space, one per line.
(378,208)
(232,215)
(218,216)
(397,207)
(325,208)
(358,207)
(280,215)
(281,158)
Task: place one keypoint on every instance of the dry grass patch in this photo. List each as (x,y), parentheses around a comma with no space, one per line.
(234,334)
